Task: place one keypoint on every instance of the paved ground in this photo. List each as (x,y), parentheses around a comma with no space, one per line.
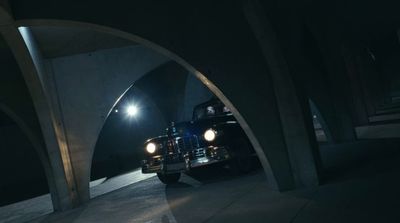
(33,208)
(26,210)
(362,185)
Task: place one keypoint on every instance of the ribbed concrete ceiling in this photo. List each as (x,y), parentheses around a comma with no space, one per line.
(65,41)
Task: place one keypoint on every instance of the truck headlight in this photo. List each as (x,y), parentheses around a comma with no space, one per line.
(209,135)
(151,147)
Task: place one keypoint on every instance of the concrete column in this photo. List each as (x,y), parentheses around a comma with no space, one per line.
(61,178)
(303,153)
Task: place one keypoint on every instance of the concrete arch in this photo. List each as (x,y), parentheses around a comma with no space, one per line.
(61,179)
(121,34)
(247,66)
(142,41)
(37,145)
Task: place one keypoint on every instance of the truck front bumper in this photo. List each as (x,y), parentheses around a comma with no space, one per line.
(182,162)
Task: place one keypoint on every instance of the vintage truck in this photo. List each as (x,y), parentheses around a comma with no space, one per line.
(212,136)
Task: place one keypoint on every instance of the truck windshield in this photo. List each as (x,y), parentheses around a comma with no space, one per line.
(210,111)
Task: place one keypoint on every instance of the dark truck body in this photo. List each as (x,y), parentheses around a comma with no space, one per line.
(184,146)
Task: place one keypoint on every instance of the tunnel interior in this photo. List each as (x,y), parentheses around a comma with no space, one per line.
(315,87)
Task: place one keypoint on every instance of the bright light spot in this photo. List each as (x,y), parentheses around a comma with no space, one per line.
(116,110)
(209,135)
(132,110)
(151,147)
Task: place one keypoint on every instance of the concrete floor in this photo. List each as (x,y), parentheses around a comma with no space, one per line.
(30,209)
(361,185)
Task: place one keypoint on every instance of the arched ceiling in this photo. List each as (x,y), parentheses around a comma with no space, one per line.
(66,41)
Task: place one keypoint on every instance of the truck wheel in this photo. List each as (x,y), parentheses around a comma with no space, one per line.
(242,161)
(169,178)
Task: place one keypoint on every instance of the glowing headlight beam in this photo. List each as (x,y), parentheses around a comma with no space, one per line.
(151,147)
(209,135)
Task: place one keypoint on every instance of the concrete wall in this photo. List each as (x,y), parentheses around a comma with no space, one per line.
(165,86)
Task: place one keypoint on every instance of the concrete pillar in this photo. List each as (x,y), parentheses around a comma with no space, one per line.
(298,137)
(60,175)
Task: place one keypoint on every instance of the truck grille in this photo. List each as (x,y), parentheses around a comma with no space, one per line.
(198,153)
(187,143)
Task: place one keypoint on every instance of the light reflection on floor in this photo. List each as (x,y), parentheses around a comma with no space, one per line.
(104,185)
(33,208)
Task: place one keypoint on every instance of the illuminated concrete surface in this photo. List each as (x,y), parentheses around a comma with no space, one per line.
(360,187)
(26,210)
(103,186)
(30,209)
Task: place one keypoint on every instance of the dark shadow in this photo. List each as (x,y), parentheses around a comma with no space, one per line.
(220,172)
(22,173)
(217,188)
(178,185)
(359,159)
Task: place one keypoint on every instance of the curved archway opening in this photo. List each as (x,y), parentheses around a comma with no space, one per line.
(22,170)
(159,101)
(161,51)
(89,83)
(166,53)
